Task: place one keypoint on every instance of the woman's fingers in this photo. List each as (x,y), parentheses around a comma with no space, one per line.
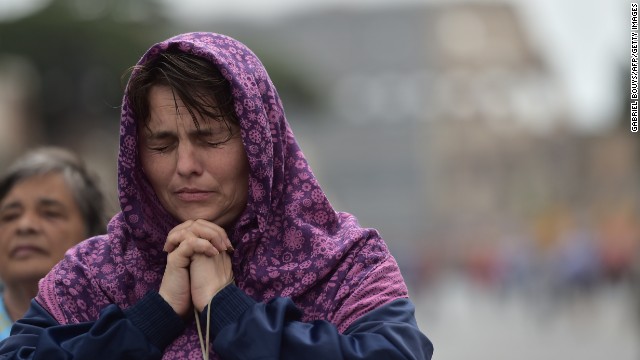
(198,229)
(181,256)
(195,271)
(175,288)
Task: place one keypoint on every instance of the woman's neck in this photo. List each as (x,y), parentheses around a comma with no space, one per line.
(17,299)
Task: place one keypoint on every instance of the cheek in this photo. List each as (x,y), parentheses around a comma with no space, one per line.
(241,164)
(59,248)
(146,162)
(239,177)
(65,236)
(156,171)
(4,241)
(5,235)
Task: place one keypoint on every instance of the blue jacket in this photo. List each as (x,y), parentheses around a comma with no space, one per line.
(241,329)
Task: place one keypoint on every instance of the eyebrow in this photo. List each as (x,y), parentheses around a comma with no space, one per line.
(43,201)
(11,205)
(161,135)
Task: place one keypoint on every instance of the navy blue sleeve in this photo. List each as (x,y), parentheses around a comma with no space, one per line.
(140,332)
(244,329)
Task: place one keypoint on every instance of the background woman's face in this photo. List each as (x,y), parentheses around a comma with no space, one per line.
(192,173)
(39,221)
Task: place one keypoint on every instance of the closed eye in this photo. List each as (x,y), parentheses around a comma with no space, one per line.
(160,149)
(51,209)
(161,145)
(160,142)
(11,212)
(215,139)
(9,216)
(52,214)
(215,144)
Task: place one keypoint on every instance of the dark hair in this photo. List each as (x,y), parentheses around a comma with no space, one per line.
(82,184)
(192,79)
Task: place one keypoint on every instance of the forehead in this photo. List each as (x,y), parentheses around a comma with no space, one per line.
(166,107)
(35,189)
(166,110)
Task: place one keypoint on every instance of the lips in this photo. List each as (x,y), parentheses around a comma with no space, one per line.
(26,251)
(191,194)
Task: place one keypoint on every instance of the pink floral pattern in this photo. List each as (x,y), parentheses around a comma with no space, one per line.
(289,241)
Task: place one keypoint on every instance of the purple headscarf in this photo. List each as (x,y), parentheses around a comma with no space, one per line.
(289,241)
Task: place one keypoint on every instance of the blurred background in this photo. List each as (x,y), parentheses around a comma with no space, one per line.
(488,141)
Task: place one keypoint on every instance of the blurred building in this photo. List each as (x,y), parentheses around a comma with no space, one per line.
(445,127)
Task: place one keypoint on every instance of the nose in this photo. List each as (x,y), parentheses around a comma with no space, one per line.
(28,224)
(188,162)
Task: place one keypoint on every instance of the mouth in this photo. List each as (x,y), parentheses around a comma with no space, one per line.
(192,194)
(26,251)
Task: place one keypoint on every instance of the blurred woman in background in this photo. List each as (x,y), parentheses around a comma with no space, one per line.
(48,203)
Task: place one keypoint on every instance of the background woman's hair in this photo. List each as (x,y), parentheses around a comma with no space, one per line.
(82,183)
(194,80)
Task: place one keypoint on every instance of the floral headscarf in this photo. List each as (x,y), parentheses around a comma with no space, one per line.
(289,241)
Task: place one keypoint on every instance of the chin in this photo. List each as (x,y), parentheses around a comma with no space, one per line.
(33,275)
(195,215)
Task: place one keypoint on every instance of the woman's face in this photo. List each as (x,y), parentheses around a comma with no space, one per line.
(39,221)
(192,173)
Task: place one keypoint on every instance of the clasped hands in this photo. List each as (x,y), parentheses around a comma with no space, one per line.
(198,265)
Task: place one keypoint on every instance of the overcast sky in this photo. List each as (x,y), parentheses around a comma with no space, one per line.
(585,41)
